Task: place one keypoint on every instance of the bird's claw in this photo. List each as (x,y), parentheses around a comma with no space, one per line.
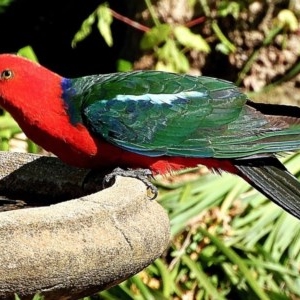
(141,174)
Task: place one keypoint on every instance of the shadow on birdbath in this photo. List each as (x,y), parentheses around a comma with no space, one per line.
(77,247)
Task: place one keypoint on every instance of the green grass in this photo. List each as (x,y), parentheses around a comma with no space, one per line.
(228,242)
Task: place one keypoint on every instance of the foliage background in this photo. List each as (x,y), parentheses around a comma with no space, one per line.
(228,241)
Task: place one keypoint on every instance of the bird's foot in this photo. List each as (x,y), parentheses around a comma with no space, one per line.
(141,174)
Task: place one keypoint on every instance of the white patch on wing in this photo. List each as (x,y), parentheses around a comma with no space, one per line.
(161,98)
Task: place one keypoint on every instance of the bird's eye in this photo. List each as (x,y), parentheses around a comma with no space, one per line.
(6,74)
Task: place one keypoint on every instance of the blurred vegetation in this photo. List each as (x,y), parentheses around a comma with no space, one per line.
(4,4)
(224,28)
(228,241)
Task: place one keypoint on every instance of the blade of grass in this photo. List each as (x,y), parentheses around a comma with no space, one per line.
(202,278)
(165,275)
(232,256)
(144,290)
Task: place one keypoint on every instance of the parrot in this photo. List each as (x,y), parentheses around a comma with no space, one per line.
(154,120)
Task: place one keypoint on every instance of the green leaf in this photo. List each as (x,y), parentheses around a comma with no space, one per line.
(170,54)
(104,21)
(103,14)
(288,19)
(155,36)
(223,39)
(17,297)
(192,3)
(38,297)
(191,40)
(8,128)
(165,67)
(223,48)
(226,8)
(124,65)
(28,52)
(85,30)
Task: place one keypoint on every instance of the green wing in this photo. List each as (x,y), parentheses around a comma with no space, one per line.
(156,113)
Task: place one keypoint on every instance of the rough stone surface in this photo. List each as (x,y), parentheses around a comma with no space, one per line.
(78,247)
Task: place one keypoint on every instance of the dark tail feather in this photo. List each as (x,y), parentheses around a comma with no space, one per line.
(269,176)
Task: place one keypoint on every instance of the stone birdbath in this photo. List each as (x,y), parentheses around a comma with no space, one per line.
(72,241)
